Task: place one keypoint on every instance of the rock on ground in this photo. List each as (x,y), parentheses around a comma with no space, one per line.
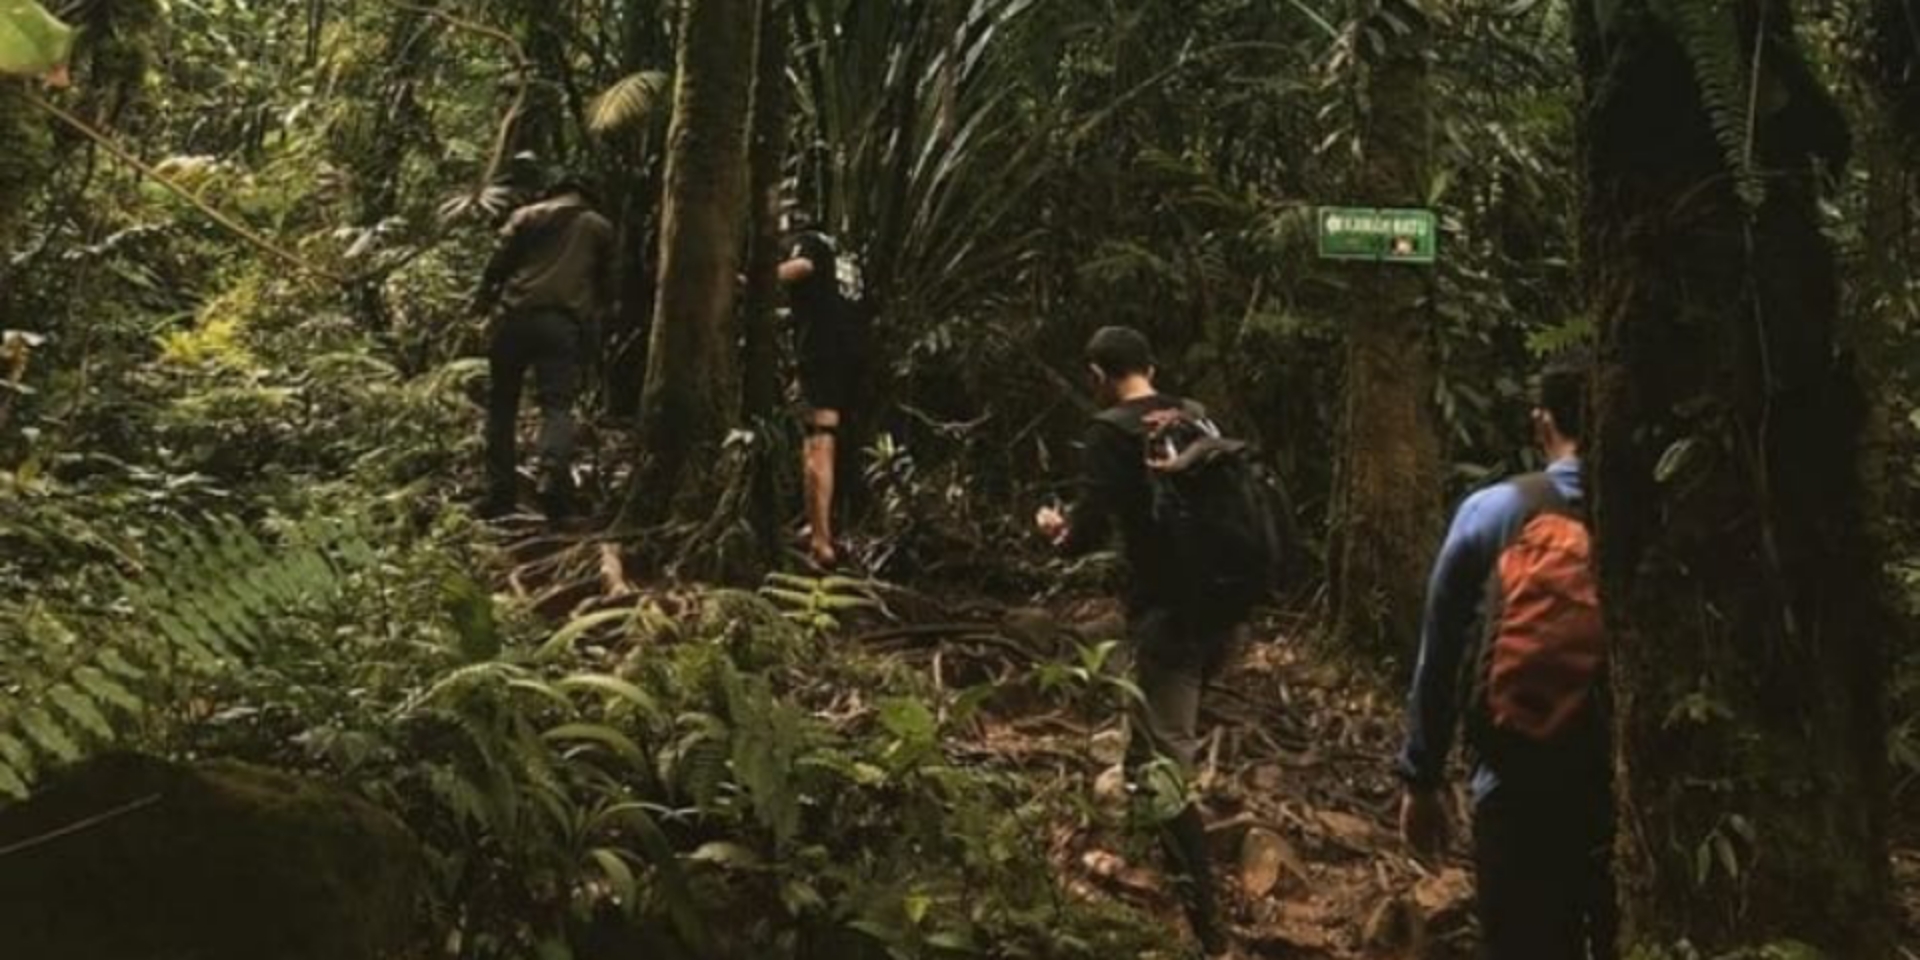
(128,857)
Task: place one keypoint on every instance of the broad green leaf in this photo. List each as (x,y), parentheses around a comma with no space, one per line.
(909,720)
(619,875)
(563,639)
(606,683)
(542,689)
(599,734)
(32,41)
(958,941)
(917,905)
(726,854)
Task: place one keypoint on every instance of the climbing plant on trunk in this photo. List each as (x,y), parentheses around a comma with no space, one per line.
(1739,581)
(689,398)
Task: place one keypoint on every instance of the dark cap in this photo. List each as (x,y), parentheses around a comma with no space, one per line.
(1119,351)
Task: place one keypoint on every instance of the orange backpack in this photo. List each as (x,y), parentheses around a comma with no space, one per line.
(1545,643)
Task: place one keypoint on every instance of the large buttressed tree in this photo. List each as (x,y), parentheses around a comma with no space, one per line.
(689,397)
(1738,574)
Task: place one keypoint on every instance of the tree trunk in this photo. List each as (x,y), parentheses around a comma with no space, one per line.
(690,384)
(1386,520)
(770,133)
(633,175)
(1740,585)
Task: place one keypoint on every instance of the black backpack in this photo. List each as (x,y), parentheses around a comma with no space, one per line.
(1212,502)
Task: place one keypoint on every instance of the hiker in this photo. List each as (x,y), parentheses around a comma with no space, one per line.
(831,354)
(1513,589)
(1181,634)
(551,280)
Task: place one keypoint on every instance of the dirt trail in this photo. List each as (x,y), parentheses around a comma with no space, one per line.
(1295,781)
(1296,778)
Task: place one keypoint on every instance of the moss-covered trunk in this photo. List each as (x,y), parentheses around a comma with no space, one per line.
(688,399)
(1738,577)
(1386,517)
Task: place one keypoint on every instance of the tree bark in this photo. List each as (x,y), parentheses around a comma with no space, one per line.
(688,399)
(634,176)
(1386,519)
(770,133)
(1740,584)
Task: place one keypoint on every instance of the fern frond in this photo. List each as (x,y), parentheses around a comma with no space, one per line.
(81,710)
(208,595)
(12,783)
(47,734)
(1709,32)
(16,754)
(632,100)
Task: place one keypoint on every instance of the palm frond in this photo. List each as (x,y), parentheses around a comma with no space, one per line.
(632,100)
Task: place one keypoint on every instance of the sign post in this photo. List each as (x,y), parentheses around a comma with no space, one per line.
(1380,235)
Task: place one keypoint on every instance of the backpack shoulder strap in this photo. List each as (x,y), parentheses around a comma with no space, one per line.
(1538,494)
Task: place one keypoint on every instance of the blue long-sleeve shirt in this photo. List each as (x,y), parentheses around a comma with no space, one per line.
(1484,524)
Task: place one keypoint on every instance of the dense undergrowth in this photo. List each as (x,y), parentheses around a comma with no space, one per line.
(275,573)
(231,491)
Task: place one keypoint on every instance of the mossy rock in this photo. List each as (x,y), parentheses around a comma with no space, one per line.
(131,858)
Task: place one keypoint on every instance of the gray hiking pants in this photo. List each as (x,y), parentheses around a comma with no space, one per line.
(1172,662)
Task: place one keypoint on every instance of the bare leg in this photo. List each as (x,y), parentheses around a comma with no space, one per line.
(822,433)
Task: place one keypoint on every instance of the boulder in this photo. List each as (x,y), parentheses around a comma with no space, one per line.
(127,857)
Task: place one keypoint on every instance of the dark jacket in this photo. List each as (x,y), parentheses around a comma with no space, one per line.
(1114,495)
(554,255)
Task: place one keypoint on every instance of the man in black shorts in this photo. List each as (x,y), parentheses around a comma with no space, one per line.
(830,353)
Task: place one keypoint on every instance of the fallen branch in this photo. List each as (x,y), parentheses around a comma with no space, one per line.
(79,826)
(126,156)
(917,630)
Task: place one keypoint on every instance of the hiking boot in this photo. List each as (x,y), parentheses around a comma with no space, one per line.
(556,498)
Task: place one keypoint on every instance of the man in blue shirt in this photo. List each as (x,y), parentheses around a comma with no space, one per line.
(1542,811)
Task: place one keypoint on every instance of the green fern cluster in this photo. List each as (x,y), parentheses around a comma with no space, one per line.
(208,597)
(818,603)
(1709,32)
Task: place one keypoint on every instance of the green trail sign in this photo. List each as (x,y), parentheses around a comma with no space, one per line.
(1386,236)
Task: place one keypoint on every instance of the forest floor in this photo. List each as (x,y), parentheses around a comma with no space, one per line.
(1296,783)
(1296,777)
(1302,805)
